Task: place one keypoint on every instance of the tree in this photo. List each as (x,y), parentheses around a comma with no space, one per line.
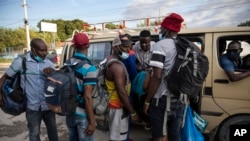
(247,23)
(112,26)
(65,28)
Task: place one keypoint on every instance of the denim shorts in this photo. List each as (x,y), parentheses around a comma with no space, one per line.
(77,126)
(175,116)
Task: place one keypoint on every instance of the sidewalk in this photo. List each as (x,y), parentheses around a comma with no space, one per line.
(4,65)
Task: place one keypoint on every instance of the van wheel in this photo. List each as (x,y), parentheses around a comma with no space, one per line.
(223,133)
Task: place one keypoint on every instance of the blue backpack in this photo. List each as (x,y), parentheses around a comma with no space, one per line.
(14,97)
(60,89)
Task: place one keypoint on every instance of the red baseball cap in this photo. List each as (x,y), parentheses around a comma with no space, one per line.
(80,39)
(173,22)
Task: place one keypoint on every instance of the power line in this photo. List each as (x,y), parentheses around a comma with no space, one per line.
(20,21)
(214,5)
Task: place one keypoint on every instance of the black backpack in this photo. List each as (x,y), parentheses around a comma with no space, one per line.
(189,71)
(60,88)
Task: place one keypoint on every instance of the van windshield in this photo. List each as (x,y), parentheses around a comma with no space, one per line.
(98,51)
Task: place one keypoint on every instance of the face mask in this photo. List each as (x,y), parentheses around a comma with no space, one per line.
(160,37)
(124,55)
(163,35)
(232,55)
(37,58)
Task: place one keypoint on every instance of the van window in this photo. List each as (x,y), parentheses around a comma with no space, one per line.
(98,51)
(222,44)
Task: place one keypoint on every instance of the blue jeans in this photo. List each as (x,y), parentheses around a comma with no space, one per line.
(76,127)
(174,122)
(34,119)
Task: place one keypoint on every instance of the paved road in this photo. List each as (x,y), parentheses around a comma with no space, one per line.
(14,128)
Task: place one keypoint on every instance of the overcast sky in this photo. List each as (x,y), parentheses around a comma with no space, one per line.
(197,13)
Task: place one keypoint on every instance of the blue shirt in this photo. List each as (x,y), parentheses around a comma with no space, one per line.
(34,84)
(227,64)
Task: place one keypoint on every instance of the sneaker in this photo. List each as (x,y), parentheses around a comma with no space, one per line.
(147,126)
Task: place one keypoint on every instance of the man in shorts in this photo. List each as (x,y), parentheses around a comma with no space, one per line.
(118,87)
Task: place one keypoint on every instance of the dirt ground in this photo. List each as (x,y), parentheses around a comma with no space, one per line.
(14,128)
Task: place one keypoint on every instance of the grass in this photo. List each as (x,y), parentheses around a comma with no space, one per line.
(2,60)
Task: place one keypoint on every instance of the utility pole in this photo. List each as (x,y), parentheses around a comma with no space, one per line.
(26,24)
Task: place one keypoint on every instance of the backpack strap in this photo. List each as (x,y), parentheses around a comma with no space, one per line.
(24,66)
(118,61)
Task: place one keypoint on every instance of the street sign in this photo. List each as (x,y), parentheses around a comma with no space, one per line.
(49,27)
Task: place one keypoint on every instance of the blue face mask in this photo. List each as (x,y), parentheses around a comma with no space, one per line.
(160,37)
(124,55)
(37,58)
(233,55)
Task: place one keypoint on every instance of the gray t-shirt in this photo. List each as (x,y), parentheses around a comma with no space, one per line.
(163,57)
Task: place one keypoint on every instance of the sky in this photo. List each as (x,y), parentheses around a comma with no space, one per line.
(196,13)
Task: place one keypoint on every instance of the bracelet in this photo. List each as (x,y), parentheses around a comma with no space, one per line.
(133,114)
(147,103)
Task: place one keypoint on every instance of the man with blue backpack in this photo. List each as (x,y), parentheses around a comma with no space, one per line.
(81,124)
(32,82)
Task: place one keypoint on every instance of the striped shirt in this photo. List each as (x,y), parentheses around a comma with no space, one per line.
(142,56)
(88,77)
(163,57)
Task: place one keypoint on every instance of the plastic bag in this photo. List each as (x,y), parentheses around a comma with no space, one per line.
(190,131)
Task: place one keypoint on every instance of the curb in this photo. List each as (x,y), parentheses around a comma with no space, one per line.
(4,64)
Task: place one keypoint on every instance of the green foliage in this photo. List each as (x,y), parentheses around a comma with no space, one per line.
(247,23)
(16,38)
(112,26)
(2,60)
(65,28)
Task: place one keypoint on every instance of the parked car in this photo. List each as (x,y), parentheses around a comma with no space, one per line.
(53,57)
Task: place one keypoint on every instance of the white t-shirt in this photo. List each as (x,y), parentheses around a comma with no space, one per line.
(163,57)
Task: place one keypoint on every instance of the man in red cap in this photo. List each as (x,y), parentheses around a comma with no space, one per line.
(81,124)
(165,125)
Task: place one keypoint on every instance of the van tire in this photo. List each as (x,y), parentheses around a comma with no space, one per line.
(223,133)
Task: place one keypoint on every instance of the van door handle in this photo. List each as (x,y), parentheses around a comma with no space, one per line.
(221,81)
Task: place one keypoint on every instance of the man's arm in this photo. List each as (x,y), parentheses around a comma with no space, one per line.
(2,79)
(154,83)
(236,77)
(119,75)
(89,109)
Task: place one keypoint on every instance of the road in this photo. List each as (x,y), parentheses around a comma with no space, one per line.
(14,128)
